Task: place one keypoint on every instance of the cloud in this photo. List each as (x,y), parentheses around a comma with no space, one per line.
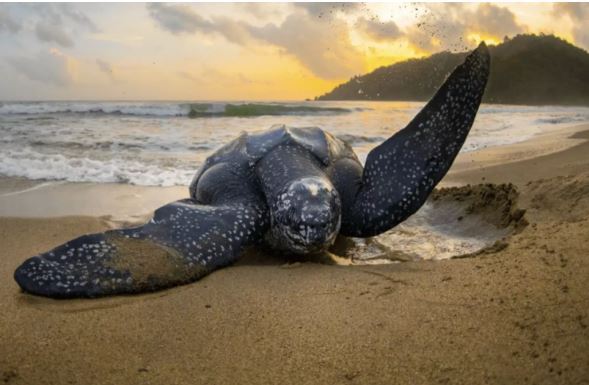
(57,22)
(53,33)
(328,10)
(77,16)
(7,23)
(447,26)
(496,21)
(234,31)
(579,14)
(378,30)
(179,19)
(324,48)
(441,28)
(51,67)
(63,13)
(577,11)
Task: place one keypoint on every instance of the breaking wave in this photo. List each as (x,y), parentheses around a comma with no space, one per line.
(37,166)
(167,109)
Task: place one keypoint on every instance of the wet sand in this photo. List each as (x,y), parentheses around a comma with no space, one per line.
(516,316)
(30,199)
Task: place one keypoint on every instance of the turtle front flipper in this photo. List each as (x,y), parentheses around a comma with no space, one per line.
(183,242)
(400,173)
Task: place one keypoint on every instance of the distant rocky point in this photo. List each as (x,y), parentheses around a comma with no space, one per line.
(526,69)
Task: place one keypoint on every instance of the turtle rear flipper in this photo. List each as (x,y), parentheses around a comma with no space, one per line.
(183,242)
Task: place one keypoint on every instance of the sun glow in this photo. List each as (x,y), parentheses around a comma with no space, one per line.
(477,38)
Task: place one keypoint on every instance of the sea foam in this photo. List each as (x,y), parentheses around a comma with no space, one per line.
(33,165)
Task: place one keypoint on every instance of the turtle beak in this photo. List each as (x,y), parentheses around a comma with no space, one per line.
(313,237)
(317,234)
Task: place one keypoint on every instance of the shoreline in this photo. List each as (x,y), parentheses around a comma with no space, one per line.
(562,151)
(120,202)
(468,166)
(516,315)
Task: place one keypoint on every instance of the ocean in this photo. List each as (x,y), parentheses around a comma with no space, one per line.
(163,143)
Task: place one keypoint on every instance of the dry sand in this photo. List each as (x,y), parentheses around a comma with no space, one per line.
(516,316)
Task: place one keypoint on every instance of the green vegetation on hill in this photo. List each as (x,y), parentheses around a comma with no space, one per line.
(527,69)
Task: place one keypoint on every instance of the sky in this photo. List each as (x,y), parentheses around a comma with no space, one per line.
(242,51)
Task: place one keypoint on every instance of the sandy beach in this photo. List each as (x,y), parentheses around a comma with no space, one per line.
(512,315)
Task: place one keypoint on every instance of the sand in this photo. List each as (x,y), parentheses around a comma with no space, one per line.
(519,315)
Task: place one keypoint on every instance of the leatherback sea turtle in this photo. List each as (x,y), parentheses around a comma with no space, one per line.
(296,188)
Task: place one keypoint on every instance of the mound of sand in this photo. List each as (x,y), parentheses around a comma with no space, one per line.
(496,203)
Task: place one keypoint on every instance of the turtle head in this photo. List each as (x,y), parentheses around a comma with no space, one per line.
(306,216)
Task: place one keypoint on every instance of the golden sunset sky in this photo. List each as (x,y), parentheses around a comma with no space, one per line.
(242,51)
